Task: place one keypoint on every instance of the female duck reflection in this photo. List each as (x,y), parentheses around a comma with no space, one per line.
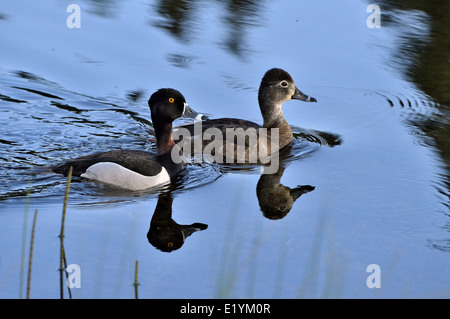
(164,233)
(275,199)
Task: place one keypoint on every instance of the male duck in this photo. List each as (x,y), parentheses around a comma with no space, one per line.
(277,87)
(134,169)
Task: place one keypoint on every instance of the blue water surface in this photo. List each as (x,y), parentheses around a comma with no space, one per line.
(374,149)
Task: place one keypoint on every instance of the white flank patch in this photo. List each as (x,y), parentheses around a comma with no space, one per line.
(117,175)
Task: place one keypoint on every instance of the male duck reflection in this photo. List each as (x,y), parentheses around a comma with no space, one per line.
(164,233)
(277,87)
(134,169)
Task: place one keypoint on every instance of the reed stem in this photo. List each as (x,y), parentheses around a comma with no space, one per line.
(136,283)
(62,259)
(30,260)
(24,239)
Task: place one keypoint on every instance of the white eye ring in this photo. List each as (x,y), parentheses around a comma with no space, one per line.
(284,83)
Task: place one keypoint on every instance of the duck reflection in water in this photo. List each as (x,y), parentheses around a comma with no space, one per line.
(164,233)
(275,199)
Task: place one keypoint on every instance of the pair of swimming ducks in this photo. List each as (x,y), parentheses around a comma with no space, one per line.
(138,170)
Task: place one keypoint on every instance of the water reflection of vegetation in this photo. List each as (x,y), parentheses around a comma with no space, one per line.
(427,53)
(179,16)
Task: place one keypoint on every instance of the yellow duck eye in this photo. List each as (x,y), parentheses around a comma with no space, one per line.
(170,245)
(171,100)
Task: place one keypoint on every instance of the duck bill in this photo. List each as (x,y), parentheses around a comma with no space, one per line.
(189,112)
(188,230)
(299,95)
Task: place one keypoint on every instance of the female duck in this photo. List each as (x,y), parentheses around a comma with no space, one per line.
(134,169)
(277,87)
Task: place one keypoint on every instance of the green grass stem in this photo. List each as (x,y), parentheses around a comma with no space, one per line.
(62,259)
(136,282)
(30,259)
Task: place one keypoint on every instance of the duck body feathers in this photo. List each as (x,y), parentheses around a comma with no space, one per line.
(141,162)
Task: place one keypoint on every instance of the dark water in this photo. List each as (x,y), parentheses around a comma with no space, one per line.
(366,180)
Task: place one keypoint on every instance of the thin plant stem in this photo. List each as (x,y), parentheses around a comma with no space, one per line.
(66,198)
(136,282)
(30,260)
(62,258)
(67,273)
(24,238)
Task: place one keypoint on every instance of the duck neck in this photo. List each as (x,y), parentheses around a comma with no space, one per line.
(163,210)
(164,140)
(270,110)
(274,118)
